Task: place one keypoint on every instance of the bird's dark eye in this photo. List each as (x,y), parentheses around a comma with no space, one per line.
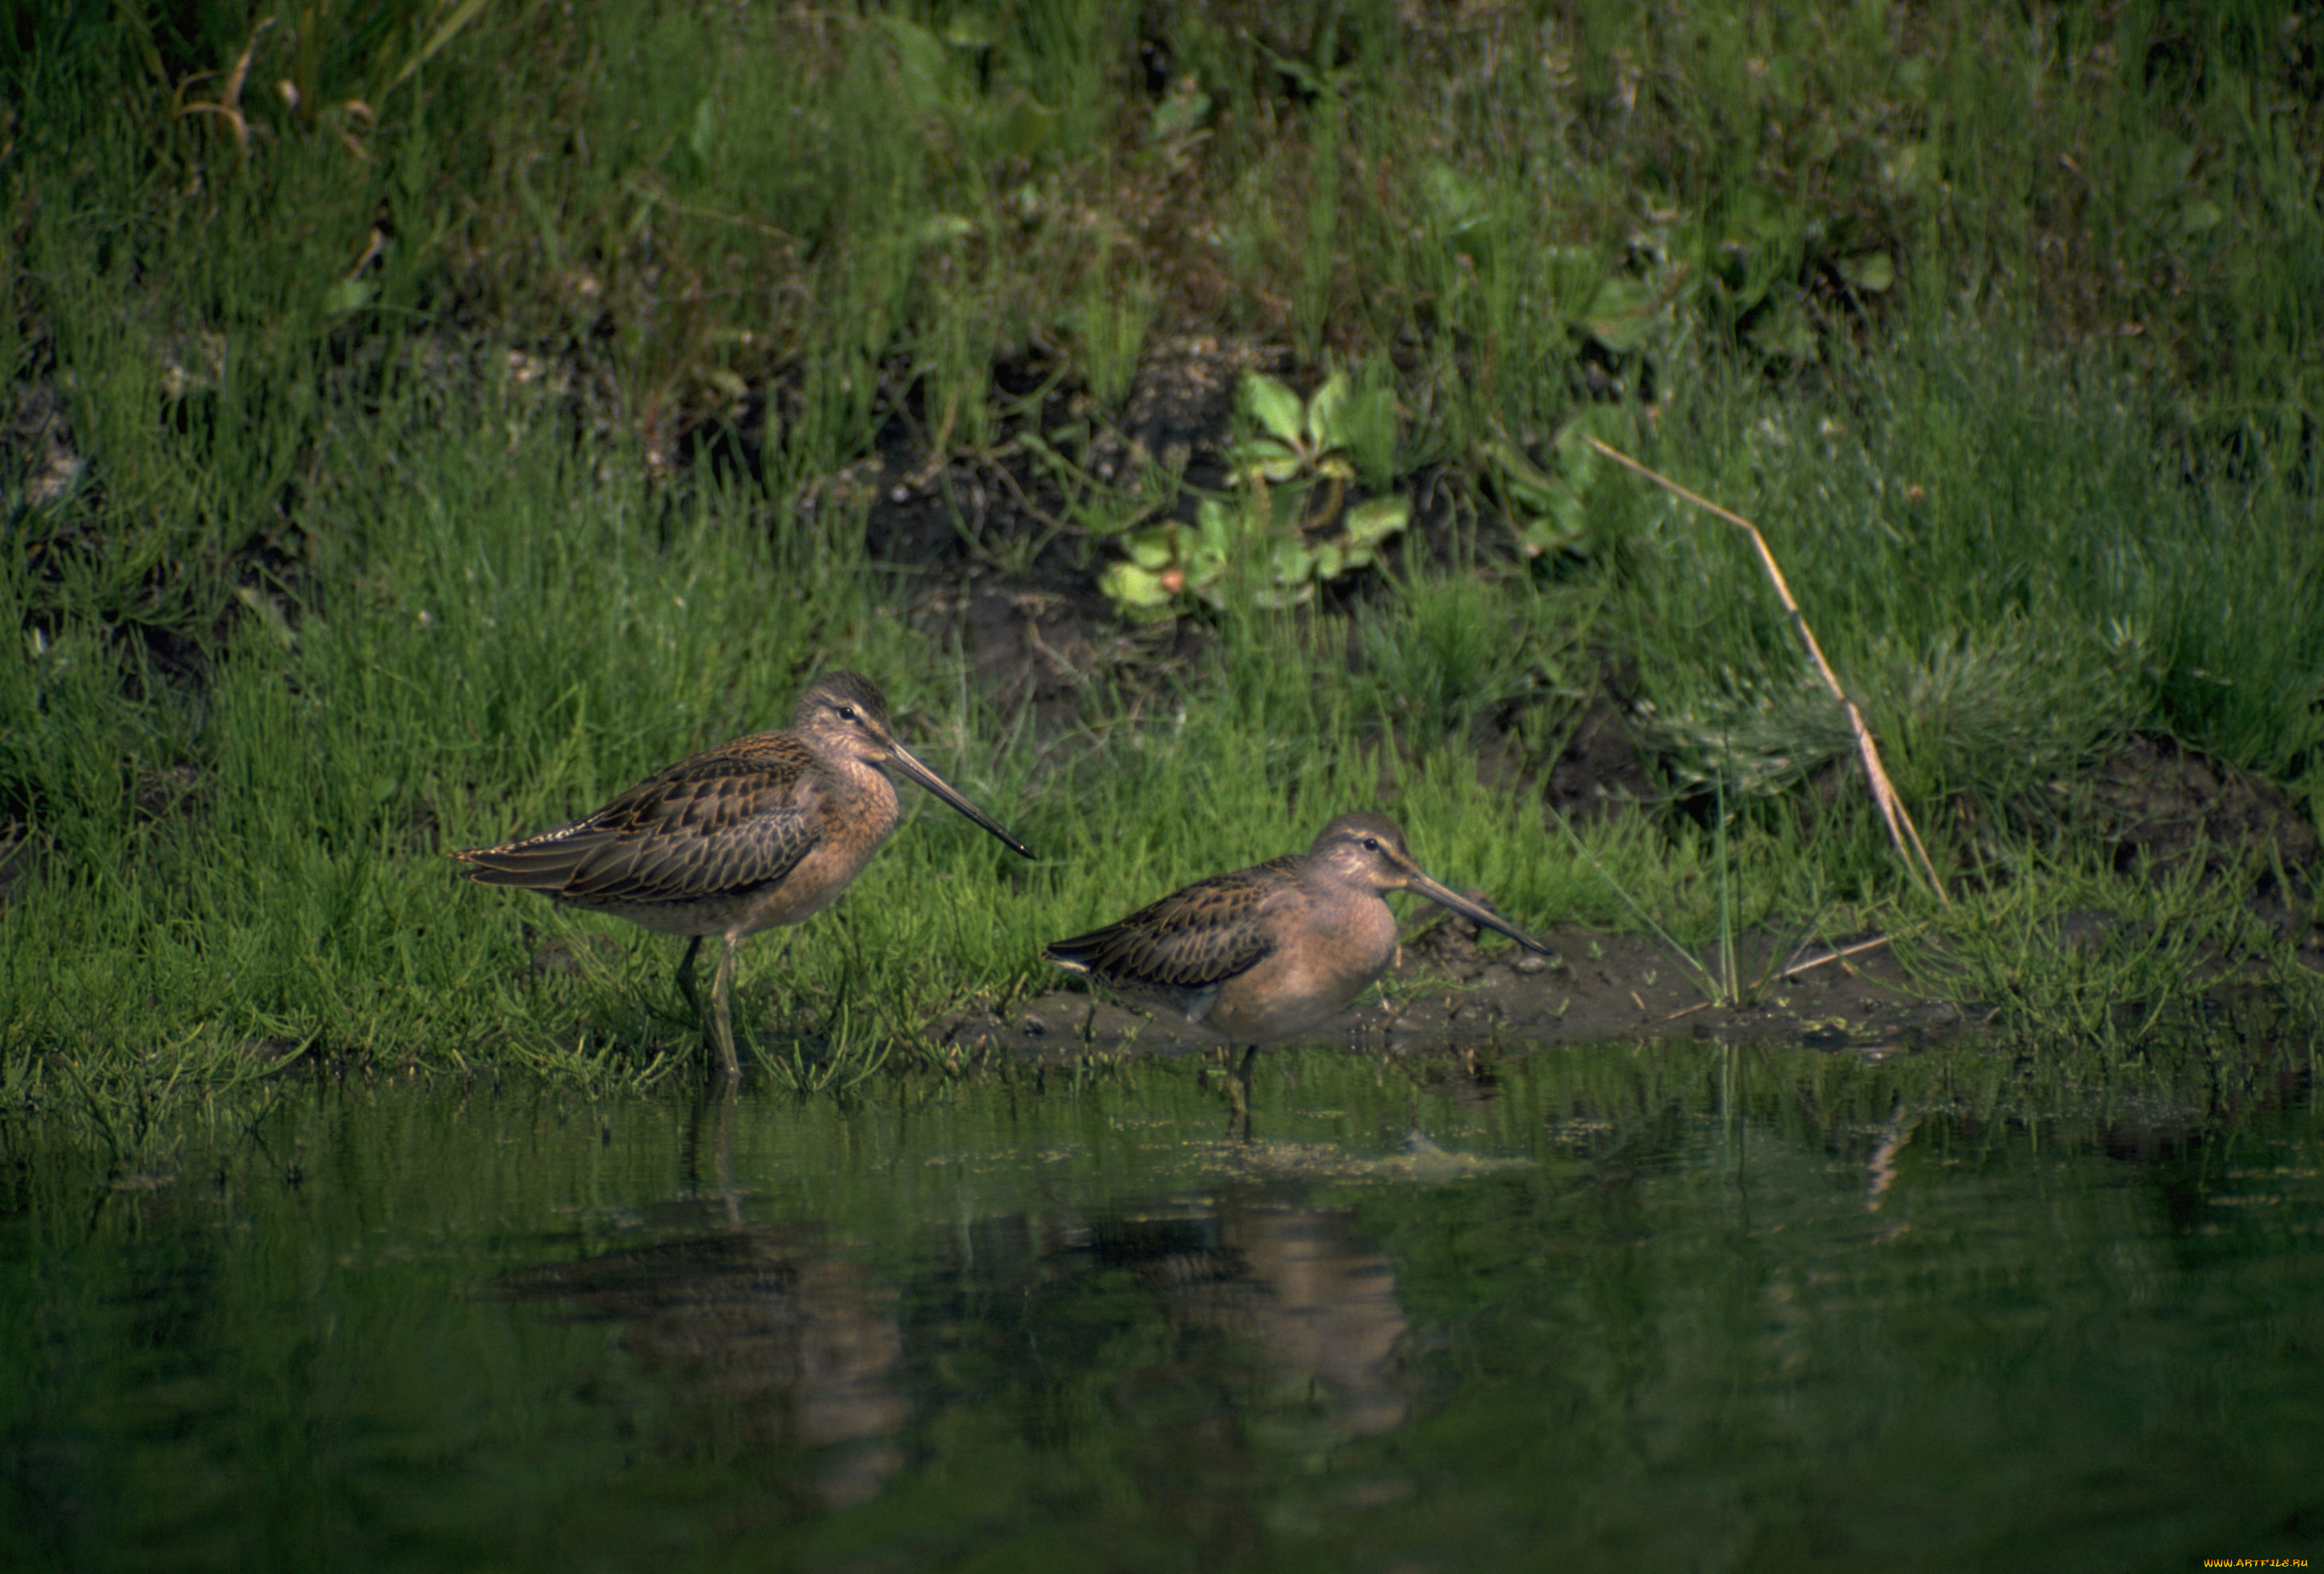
(847,713)
(1372,845)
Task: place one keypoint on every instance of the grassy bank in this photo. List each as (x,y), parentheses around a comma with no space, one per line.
(417,455)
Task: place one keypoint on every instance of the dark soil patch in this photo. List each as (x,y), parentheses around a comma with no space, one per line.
(2159,803)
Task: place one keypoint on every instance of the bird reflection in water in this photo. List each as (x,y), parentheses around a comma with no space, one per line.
(769,1340)
(1289,1283)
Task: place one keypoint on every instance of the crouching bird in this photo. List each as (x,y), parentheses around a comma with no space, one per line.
(1270,952)
(765,830)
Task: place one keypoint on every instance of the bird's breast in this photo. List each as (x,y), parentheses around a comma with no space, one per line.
(852,818)
(1324,958)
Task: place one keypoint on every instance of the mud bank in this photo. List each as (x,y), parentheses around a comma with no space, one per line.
(1445,990)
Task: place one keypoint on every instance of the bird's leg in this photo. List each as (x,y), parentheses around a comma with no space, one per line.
(685,980)
(1239,1098)
(726,1155)
(721,1020)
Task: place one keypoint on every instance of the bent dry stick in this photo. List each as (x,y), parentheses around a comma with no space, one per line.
(1892,813)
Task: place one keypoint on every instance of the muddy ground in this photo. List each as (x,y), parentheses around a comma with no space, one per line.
(1446,991)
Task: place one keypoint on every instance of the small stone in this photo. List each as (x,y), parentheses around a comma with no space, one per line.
(1530,963)
(1035,1026)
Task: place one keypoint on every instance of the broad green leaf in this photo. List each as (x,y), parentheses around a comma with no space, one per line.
(1152,548)
(923,61)
(1545,535)
(1325,428)
(1178,115)
(1330,560)
(1273,406)
(1620,315)
(1291,561)
(1368,432)
(1382,517)
(348,295)
(1874,273)
(1455,201)
(1127,586)
(1215,526)
(1026,130)
(2200,214)
(1264,457)
(1285,505)
(1913,168)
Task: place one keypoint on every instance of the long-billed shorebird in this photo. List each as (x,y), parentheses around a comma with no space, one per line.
(1270,952)
(765,830)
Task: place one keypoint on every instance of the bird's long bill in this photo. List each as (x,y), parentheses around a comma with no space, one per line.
(911,767)
(1476,912)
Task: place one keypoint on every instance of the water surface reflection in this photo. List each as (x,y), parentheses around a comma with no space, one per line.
(765,1339)
(1638,1306)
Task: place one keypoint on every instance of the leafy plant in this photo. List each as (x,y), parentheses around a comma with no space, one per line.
(1278,541)
(1549,507)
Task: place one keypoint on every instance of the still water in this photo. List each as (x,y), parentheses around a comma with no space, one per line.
(1669,1307)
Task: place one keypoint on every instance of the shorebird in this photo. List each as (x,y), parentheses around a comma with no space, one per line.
(1270,952)
(765,830)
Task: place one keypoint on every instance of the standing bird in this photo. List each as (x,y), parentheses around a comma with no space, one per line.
(1270,952)
(765,830)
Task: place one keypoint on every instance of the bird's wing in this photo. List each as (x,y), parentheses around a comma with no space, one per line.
(1192,939)
(733,819)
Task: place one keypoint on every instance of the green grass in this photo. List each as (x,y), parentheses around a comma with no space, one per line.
(2003,331)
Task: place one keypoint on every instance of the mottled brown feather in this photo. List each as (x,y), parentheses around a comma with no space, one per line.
(726,822)
(1192,939)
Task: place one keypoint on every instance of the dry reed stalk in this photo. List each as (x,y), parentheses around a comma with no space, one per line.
(1899,821)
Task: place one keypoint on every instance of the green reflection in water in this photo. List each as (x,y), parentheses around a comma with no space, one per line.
(1675,1307)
